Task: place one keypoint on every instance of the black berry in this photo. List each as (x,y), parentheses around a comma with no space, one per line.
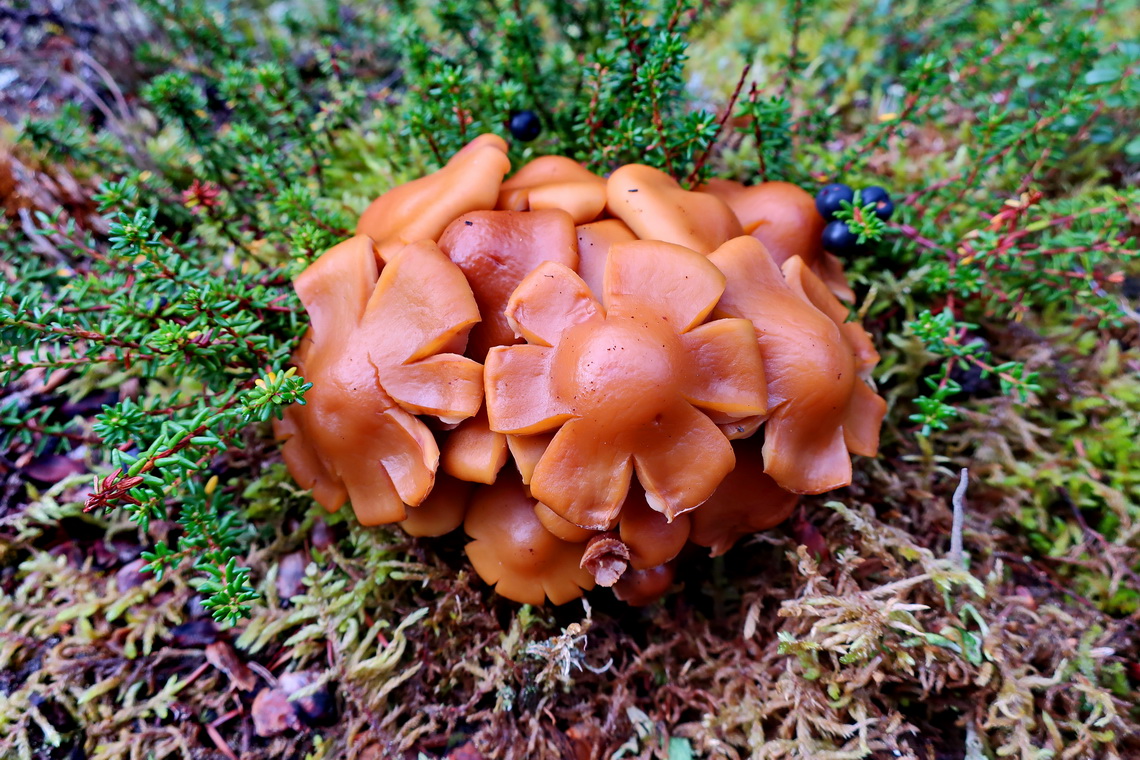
(970,377)
(839,239)
(830,197)
(525,125)
(884,207)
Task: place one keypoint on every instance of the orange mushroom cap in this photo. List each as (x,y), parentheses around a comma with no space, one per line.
(496,250)
(780,215)
(594,241)
(442,511)
(526,450)
(652,539)
(512,551)
(866,410)
(473,453)
(784,218)
(746,501)
(818,404)
(815,290)
(555,182)
(638,588)
(421,306)
(622,382)
(371,357)
(656,207)
(564,529)
(422,208)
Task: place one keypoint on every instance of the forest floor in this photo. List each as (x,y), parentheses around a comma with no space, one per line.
(853,630)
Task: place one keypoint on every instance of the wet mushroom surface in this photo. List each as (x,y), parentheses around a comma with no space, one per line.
(592,375)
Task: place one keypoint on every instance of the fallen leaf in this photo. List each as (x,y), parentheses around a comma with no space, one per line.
(223,657)
(52,468)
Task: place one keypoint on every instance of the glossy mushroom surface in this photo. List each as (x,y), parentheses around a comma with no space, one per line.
(594,241)
(373,363)
(508,355)
(639,588)
(422,208)
(747,501)
(472,452)
(818,404)
(513,552)
(442,511)
(495,250)
(555,182)
(652,538)
(624,381)
(656,207)
(784,218)
(863,416)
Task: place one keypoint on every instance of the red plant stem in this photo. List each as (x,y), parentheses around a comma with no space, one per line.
(700,163)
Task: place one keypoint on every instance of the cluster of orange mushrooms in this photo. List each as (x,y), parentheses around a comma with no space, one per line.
(509,355)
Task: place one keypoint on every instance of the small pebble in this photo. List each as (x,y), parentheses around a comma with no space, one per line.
(323,535)
(273,713)
(291,574)
(318,708)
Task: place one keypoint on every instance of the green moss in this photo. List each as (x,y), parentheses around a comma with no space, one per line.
(873,647)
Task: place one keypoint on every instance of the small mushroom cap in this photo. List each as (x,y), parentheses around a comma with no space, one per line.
(350,441)
(514,552)
(374,364)
(594,241)
(473,453)
(420,306)
(780,215)
(442,511)
(784,218)
(652,539)
(809,373)
(335,289)
(422,209)
(863,418)
(818,405)
(496,250)
(746,501)
(639,588)
(323,438)
(555,182)
(564,529)
(813,288)
(656,207)
(829,267)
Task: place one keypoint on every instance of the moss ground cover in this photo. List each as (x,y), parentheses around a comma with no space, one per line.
(166,168)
